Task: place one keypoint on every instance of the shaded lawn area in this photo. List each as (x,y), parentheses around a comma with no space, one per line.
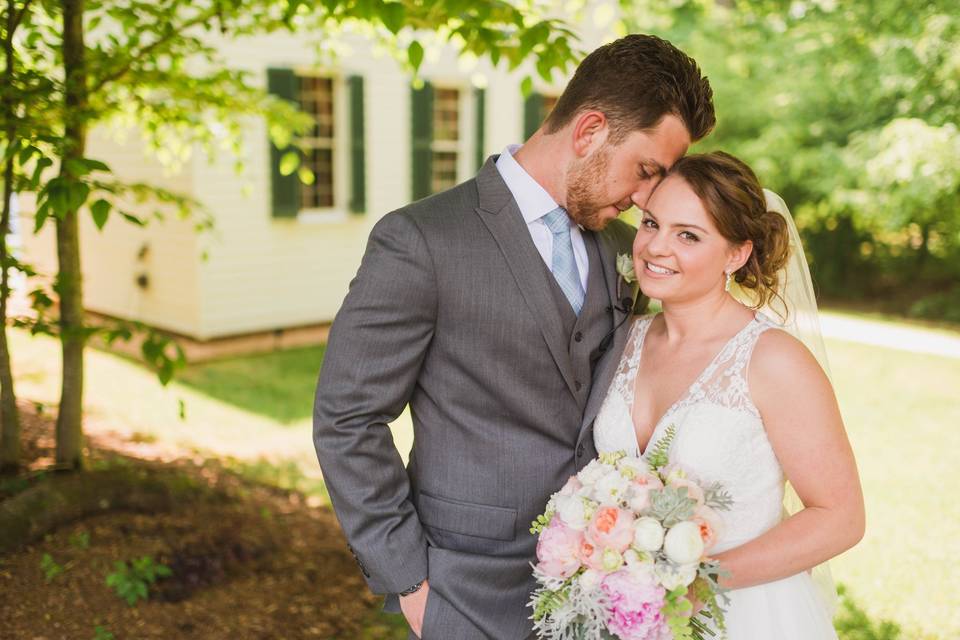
(278,385)
(901,410)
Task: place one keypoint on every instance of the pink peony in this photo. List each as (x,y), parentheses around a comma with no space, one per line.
(558,550)
(611,528)
(634,606)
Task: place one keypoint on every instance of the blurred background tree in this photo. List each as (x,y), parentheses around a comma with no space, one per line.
(847,110)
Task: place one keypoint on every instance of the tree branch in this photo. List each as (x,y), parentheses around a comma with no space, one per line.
(19,16)
(173,33)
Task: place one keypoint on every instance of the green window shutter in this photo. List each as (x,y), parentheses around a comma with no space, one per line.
(421,106)
(285,190)
(480,110)
(358,176)
(532,108)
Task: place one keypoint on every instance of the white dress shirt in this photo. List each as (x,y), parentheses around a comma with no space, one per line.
(534,203)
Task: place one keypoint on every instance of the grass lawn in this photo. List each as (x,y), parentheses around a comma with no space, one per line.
(902,412)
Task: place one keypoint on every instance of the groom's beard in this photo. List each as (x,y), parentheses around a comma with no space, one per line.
(584,200)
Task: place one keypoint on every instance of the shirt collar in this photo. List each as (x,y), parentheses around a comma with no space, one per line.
(533,200)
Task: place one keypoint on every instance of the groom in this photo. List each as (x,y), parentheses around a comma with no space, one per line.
(494,309)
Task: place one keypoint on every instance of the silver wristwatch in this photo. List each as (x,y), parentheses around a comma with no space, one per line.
(413,589)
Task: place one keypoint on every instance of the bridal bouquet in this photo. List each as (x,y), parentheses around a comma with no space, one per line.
(620,547)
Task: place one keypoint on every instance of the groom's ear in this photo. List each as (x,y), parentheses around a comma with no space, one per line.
(589,132)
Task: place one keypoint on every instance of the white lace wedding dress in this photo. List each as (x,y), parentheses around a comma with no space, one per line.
(720,437)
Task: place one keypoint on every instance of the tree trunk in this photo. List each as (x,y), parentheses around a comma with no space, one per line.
(9,416)
(69,277)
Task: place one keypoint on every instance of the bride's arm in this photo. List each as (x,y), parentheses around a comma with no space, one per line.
(803,424)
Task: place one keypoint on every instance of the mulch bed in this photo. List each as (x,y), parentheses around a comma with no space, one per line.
(248,561)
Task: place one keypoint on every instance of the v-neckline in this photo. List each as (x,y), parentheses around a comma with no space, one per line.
(683,395)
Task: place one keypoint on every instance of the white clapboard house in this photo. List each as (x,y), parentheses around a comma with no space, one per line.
(281,255)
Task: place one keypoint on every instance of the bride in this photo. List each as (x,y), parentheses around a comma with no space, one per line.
(751,405)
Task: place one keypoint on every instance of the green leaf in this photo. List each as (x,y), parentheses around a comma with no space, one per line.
(100,211)
(77,193)
(415,54)
(42,164)
(393,15)
(289,163)
(306,175)
(526,87)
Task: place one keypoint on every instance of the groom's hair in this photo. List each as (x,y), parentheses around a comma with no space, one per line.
(636,81)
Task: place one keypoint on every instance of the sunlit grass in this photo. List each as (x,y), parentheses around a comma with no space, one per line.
(902,411)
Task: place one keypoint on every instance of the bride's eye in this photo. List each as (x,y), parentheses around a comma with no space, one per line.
(689,237)
(649,223)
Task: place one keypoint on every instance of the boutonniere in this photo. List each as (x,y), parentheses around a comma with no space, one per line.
(625,268)
(627,275)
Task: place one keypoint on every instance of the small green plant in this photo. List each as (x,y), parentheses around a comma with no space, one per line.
(101,633)
(132,581)
(50,567)
(80,540)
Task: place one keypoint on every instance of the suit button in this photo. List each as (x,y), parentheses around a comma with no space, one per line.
(578,336)
(577,385)
(580,450)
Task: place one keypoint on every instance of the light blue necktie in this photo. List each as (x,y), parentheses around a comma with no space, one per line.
(564,265)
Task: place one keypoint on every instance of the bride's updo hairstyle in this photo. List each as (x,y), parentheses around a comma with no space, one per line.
(733,197)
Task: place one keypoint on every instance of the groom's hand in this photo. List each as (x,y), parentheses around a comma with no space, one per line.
(414,606)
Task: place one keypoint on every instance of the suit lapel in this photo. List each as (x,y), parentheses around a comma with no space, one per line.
(616,290)
(502,217)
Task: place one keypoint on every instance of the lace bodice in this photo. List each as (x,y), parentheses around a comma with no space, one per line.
(719,432)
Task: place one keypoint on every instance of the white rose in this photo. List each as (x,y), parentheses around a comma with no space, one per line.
(609,490)
(671,577)
(590,579)
(573,512)
(641,561)
(683,543)
(630,468)
(647,534)
(589,475)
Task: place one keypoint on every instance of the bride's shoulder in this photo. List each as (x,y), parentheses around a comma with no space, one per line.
(779,355)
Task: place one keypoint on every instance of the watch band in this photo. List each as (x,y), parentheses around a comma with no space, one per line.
(413,589)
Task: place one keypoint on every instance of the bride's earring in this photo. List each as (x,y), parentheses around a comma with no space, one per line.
(726,285)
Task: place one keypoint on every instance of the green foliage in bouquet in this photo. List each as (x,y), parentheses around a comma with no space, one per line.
(541,523)
(716,497)
(547,602)
(658,457)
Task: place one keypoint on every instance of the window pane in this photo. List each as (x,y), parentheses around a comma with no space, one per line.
(444,170)
(316,99)
(446,114)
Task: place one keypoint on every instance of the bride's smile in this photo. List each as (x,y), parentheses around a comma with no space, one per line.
(679,254)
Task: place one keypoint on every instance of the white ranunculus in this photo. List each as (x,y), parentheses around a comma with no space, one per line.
(647,534)
(573,512)
(610,489)
(683,543)
(611,560)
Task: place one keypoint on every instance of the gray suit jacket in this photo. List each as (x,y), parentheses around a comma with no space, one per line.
(450,312)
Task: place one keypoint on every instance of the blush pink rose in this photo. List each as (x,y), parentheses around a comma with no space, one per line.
(635,606)
(611,528)
(711,526)
(558,550)
(693,489)
(640,490)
